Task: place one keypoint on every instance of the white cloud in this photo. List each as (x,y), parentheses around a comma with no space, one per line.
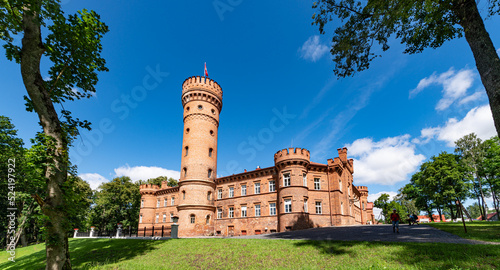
(373,197)
(143,172)
(455,86)
(312,49)
(474,97)
(478,120)
(385,162)
(94,179)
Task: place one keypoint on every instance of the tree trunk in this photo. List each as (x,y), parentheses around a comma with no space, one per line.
(56,172)
(485,55)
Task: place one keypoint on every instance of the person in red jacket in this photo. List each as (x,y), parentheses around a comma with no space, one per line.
(395,220)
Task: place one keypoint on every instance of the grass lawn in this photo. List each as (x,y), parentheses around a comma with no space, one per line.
(476,230)
(261,254)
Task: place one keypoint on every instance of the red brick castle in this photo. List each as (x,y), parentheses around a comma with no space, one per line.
(293,194)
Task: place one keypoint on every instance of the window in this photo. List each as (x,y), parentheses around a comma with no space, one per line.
(186,150)
(244,211)
(305,205)
(171,217)
(243,190)
(164,217)
(219,213)
(158,203)
(286,179)
(231,212)
(272,209)
(317,184)
(140,219)
(341,208)
(288,206)
(142,203)
(231,192)
(349,191)
(157,218)
(209,195)
(209,173)
(183,195)
(219,194)
(210,152)
(193,219)
(208,219)
(185,172)
(363,205)
(257,188)
(200,107)
(257,210)
(340,185)
(165,202)
(319,209)
(172,201)
(304,178)
(272,186)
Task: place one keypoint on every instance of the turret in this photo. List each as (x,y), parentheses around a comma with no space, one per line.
(202,103)
(291,165)
(148,204)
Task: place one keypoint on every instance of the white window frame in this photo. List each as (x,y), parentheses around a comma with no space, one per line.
(243,211)
(171,217)
(192,219)
(219,213)
(243,190)
(142,203)
(257,210)
(272,209)
(219,193)
(140,218)
(272,186)
(317,183)
(231,192)
(340,184)
(341,208)
(231,212)
(304,179)
(165,202)
(319,208)
(305,206)
(164,218)
(157,203)
(172,201)
(288,205)
(157,218)
(286,180)
(256,188)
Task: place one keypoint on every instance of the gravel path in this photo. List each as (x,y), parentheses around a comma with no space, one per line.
(415,233)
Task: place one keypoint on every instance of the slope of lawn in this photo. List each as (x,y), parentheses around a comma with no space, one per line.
(476,230)
(261,254)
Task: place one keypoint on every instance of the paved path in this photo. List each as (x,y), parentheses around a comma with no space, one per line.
(415,233)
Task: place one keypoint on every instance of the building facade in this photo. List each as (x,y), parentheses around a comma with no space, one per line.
(293,194)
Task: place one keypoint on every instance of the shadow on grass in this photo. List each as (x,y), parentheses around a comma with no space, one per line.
(87,253)
(418,255)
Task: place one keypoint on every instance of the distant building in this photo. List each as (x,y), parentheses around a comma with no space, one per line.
(489,217)
(293,194)
(436,218)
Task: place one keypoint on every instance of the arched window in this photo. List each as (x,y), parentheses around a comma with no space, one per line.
(209,173)
(209,196)
(186,150)
(183,195)
(210,152)
(192,218)
(185,171)
(208,219)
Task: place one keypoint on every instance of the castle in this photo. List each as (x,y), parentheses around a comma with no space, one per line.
(293,194)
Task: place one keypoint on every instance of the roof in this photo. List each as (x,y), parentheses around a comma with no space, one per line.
(488,216)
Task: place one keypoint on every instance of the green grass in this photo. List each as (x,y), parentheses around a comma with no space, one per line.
(261,254)
(476,230)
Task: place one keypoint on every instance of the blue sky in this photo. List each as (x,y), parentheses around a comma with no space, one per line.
(271,63)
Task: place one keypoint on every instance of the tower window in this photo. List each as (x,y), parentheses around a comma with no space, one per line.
(213,111)
(212,132)
(209,196)
(210,151)
(288,206)
(208,219)
(183,195)
(286,179)
(187,150)
(193,219)
(185,172)
(209,173)
(200,107)
(187,109)
(187,130)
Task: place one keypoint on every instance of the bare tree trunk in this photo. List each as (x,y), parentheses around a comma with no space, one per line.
(487,60)
(56,173)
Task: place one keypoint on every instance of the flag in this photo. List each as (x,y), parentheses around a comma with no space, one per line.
(206,72)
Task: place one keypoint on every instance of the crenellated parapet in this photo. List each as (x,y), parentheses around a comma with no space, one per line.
(203,89)
(300,156)
(148,189)
(363,190)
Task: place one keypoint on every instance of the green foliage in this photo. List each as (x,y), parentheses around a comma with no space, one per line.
(171,182)
(474,210)
(478,230)
(117,201)
(387,207)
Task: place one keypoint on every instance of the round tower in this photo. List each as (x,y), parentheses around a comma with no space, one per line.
(148,205)
(363,202)
(202,103)
(291,165)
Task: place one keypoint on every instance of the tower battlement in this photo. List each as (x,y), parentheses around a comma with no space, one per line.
(291,153)
(202,83)
(148,189)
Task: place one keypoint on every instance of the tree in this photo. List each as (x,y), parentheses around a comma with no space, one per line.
(171,182)
(490,169)
(474,210)
(72,44)
(471,152)
(383,203)
(418,25)
(118,201)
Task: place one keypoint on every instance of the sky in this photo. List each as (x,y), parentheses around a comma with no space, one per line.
(273,67)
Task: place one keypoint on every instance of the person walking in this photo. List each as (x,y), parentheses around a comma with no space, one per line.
(395,221)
